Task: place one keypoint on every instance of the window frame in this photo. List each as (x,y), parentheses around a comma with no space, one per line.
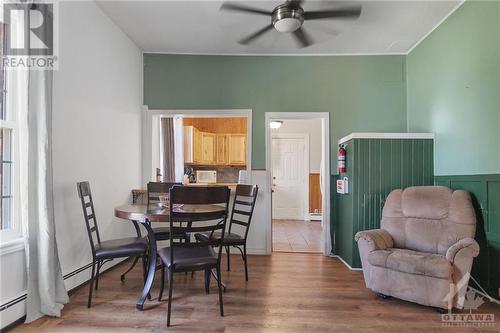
(12,237)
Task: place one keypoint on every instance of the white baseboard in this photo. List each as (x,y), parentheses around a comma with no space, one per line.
(14,312)
(345,263)
(18,310)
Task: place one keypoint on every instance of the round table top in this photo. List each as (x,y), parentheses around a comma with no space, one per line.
(158,213)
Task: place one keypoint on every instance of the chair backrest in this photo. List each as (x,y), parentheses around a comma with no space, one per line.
(89,213)
(428,218)
(199,203)
(155,189)
(243,206)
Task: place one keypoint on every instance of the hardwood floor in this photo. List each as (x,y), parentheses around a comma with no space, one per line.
(286,293)
(296,236)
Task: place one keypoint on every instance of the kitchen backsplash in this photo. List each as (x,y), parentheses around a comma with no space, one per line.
(224,174)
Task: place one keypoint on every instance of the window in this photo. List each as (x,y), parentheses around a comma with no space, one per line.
(9,147)
(5,150)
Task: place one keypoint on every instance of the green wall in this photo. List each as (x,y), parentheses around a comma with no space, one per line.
(362,93)
(453,90)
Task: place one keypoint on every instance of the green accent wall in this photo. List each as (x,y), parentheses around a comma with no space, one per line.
(485,192)
(362,93)
(375,167)
(453,90)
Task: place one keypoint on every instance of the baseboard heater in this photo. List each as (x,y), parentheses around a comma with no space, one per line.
(65,277)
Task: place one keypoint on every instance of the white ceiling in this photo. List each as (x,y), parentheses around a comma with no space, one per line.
(199,27)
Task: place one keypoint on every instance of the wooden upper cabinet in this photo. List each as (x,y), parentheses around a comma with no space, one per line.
(197,146)
(208,148)
(222,149)
(192,145)
(237,147)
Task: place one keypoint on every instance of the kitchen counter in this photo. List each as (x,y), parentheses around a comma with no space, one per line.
(232,186)
(139,195)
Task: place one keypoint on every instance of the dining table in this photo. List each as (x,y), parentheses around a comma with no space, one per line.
(144,215)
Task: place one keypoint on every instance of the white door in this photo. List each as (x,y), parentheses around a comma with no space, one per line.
(289,171)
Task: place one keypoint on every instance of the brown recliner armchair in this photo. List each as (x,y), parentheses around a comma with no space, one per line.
(424,250)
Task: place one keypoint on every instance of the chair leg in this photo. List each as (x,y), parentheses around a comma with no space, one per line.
(91,286)
(228,259)
(219,284)
(122,277)
(99,263)
(145,271)
(170,285)
(162,282)
(245,261)
(207,280)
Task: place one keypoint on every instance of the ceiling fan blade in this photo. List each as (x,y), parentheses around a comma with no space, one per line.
(302,37)
(242,8)
(349,12)
(256,34)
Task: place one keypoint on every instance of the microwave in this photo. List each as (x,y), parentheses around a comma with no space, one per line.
(206,176)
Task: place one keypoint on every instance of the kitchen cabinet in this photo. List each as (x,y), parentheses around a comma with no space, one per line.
(237,149)
(205,148)
(192,145)
(222,149)
(208,148)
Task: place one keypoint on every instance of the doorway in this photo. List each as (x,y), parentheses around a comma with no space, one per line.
(296,157)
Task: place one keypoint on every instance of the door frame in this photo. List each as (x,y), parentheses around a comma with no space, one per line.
(326,242)
(150,122)
(305,137)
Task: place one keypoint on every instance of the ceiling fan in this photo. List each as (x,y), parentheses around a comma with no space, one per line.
(289,17)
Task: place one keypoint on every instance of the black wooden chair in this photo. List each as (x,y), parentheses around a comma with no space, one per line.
(202,208)
(155,189)
(104,251)
(243,206)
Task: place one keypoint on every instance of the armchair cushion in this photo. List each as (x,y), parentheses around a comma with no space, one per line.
(377,239)
(412,262)
(468,243)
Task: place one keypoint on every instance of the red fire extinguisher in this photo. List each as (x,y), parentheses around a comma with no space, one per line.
(341,159)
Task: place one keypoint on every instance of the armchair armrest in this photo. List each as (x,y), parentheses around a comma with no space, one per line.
(464,243)
(377,239)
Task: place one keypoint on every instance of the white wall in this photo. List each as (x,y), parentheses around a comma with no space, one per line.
(96,131)
(306,126)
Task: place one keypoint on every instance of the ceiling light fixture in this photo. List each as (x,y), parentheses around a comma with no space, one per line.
(287,19)
(275,124)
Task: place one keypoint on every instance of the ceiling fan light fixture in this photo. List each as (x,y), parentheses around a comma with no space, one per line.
(287,19)
(287,24)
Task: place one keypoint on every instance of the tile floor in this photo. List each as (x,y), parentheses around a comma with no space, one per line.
(296,236)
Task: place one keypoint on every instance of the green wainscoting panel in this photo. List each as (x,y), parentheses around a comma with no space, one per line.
(485,192)
(375,167)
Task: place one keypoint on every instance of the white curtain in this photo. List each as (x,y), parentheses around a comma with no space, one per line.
(46,291)
(179,148)
(31,95)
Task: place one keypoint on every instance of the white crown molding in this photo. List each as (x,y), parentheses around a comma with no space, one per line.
(225,54)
